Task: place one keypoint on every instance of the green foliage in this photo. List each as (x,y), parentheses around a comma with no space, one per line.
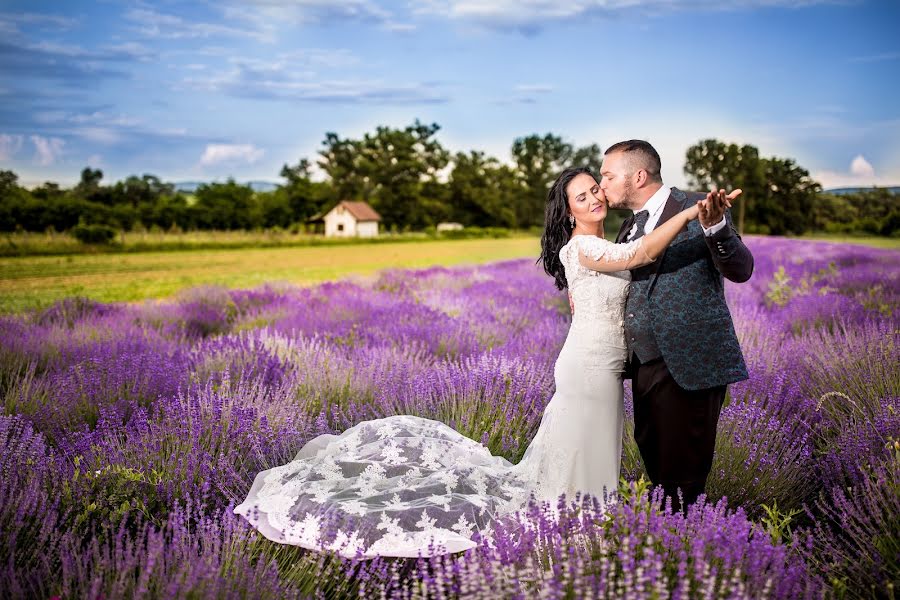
(779,195)
(777,523)
(539,160)
(470,233)
(390,169)
(414,182)
(482,192)
(781,290)
(785,206)
(711,163)
(94,234)
(869,212)
(99,495)
(304,197)
(225,206)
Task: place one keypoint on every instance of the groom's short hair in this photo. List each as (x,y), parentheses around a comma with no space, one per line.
(641,155)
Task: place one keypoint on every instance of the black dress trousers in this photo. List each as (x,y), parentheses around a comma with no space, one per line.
(675,430)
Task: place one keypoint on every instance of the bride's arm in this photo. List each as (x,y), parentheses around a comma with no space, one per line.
(642,251)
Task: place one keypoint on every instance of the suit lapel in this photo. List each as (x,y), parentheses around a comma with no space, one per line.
(674,205)
(624,229)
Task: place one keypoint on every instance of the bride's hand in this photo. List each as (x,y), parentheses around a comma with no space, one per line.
(712,208)
(694,211)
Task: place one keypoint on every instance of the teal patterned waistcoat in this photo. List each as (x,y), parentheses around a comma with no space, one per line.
(678,302)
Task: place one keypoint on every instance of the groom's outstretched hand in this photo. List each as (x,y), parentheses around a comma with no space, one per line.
(712,208)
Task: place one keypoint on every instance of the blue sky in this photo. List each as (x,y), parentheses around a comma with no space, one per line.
(207,90)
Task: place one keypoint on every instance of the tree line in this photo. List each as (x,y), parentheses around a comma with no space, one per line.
(780,197)
(408,176)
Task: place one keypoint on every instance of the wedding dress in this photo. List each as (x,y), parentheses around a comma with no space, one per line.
(408,486)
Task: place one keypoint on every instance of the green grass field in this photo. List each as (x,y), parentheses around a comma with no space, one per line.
(38,281)
(52,243)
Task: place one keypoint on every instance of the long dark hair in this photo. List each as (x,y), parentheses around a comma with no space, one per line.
(557,230)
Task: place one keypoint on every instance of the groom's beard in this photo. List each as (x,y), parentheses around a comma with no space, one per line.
(627,200)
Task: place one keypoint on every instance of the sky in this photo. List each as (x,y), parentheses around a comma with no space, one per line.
(225,88)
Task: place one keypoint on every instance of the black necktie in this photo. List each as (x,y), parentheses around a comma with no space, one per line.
(640,220)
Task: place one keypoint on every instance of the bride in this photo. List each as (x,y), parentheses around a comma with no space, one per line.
(408,486)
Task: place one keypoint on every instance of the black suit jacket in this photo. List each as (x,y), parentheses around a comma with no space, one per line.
(686,299)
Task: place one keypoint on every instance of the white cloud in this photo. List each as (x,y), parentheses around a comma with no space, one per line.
(97,126)
(534,88)
(885,56)
(292,77)
(44,21)
(860,167)
(396,27)
(860,174)
(216,154)
(118,52)
(100,135)
(154,24)
(102,118)
(47,150)
(271,14)
(532,15)
(10,145)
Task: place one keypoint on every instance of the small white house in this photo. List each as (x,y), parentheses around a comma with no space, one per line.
(351,219)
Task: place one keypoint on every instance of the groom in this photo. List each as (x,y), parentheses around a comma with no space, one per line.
(682,345)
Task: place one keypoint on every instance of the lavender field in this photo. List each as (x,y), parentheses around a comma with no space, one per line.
(130,431)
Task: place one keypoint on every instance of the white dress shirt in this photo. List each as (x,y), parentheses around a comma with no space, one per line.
(655,206)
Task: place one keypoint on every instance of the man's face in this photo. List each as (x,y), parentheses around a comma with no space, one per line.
(616,180)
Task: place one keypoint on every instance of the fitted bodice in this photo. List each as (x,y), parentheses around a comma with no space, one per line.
(599,298)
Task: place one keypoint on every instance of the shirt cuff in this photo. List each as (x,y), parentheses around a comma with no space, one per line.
(714,229)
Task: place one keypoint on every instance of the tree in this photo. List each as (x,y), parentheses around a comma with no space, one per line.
(8,181)
(834,214)
(391,169)
(304,197)
(874,212)
(90,189)
(590,157)
(147,189)
(786,206)
(340,161)
(90,179)
(12,200)
(274,209)
(539,161)
(711,163)
(225,206)
(168,212)
(482,192)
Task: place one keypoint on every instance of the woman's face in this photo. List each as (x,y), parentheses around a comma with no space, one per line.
(587,203)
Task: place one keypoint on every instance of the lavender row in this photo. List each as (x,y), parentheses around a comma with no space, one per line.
(134,428)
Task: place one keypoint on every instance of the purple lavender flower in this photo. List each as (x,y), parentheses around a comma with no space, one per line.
(130,430)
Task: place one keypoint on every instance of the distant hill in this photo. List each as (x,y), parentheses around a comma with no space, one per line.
(190,187)
(855,190)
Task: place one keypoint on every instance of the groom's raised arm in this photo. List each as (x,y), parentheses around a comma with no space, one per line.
(732,258)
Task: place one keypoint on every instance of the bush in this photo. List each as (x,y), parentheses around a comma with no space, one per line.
(94,234)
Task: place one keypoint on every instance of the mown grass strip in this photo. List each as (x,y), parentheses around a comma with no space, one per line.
(36,282)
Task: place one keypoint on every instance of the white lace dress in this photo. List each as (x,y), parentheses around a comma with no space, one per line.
(407,486)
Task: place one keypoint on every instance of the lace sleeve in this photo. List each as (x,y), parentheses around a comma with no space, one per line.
(604,255)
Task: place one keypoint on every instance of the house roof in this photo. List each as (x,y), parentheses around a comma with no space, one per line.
(361,211)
